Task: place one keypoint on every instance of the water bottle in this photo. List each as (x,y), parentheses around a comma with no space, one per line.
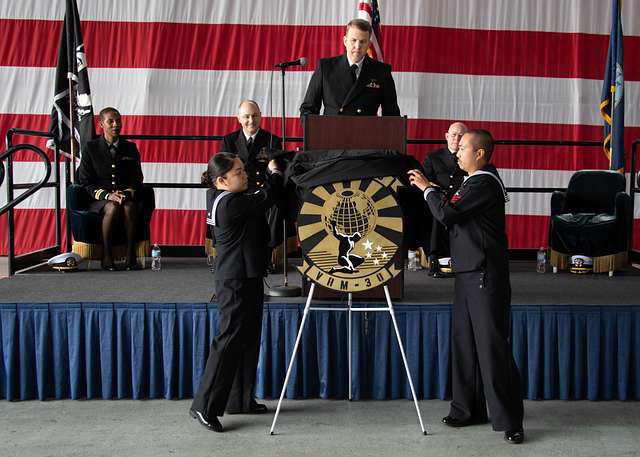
(541,260)
(418,262)
(155,258)
(411,261)
(211,262)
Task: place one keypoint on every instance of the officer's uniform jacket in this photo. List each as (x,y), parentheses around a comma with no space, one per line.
(102,172)
(256,158)
(441,167)
(332,85)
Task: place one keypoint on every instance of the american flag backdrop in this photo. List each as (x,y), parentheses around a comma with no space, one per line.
(523,69)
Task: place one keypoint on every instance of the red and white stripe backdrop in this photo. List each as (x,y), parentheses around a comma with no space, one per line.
(522,69)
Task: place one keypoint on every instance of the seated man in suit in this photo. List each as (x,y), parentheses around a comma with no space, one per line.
(253,144)
(110,171)
(441,168)
(352,83)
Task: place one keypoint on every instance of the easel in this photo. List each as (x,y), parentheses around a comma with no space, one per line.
(349,309)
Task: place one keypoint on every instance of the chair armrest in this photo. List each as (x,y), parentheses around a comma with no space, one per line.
(622,204)
(622,210)
(147,196)
(77,198)
(558,198)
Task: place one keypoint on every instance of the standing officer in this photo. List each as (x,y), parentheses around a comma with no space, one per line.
(352,83)
(441,168)
(240,229)
(483,369)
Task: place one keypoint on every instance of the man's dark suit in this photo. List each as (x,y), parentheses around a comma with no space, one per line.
(332,85)
(255,159)
(241,234)
(100,172)
(255,162)
(482,361)
(441,167)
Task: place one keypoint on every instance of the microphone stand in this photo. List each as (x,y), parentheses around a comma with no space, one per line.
(284,290)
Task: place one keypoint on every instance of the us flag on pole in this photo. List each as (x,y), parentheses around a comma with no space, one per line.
(72,64)
(368,10)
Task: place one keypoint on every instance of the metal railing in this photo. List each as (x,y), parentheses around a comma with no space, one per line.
(175,185)
(1,172)
(31,259)
(634,187)
(56,183)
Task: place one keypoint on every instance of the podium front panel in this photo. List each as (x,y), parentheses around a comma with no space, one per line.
(355,132)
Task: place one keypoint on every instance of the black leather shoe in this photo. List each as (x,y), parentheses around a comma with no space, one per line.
(110,267)
(213,425)
(433,267)
(254,408)
(133,267)
(258,408)
(453,422)
(514,436)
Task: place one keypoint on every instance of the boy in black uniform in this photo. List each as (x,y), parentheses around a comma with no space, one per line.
(241,234)
(483,369)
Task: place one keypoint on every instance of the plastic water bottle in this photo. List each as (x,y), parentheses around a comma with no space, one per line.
(155,258)
(418,262)
(211,262)
(412,264)
(541,260)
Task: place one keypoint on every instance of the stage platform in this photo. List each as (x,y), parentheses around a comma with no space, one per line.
(188,280)
(145,334)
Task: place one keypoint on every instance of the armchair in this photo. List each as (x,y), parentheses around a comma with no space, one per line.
(86,225)
(592,218)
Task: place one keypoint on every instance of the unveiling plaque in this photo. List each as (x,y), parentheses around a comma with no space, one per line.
(351,233)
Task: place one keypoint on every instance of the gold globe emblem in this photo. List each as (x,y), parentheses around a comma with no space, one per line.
(350,233)
(352,212)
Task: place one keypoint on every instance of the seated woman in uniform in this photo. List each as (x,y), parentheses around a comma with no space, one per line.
(110,171)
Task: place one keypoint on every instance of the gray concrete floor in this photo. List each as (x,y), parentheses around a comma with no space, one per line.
(309,427)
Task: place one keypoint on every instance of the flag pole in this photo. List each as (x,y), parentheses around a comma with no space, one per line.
(72,142)
(613,109)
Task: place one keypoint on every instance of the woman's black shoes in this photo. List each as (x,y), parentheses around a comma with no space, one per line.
(213,425)
(514,436)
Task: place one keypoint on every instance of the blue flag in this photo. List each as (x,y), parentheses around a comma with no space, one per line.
(612,100)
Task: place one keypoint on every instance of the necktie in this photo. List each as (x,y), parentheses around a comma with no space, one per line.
(249,143)
(354,72)
(113,150)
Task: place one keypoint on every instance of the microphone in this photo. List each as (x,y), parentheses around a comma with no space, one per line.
(302,61)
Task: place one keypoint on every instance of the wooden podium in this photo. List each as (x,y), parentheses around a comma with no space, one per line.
(355,132)
(358,132)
